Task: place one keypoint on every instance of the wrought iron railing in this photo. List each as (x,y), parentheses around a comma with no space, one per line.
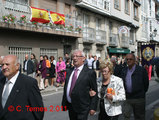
(124,42)
(113,40)
(100,36)
(88,34)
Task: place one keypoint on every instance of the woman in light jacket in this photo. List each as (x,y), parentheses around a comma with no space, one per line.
(110,92)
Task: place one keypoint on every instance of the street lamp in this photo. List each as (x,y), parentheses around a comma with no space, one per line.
(153,34)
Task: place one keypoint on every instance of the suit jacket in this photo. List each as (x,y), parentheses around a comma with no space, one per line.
(25,92)
(30,67)
(97,65)
(140,82)
(80,98)
(117,70)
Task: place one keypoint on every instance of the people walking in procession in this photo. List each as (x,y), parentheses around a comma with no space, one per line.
(35,62)
(136,85)
(111,93)
(60,72)
(17,89)
(79,81)
(52,70)
(28,67)
(41,72)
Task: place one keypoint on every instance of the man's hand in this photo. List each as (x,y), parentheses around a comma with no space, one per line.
(92,93)
(92,112)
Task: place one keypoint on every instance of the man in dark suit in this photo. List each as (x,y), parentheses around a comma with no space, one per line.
(28,67)
(95,65)
(117,68)
(18,93)
(136,85)
(79,81)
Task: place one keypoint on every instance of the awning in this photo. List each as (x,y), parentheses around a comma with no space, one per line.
(118,50)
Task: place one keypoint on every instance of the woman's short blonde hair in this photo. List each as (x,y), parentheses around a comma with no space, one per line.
(108,64)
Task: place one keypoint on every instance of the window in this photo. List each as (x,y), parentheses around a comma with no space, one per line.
(131,37)
(48,52)
(98,23)
(136,12)
(19,5)
(117,4)
(106,5)
(110,27)
(127,7)
(86,20)
(49,5)
(20,52)
(67,9)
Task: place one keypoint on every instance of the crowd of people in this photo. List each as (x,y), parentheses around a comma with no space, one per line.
(118,84)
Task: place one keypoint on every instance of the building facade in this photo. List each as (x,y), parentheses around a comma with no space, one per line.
(26,38)
(110,27)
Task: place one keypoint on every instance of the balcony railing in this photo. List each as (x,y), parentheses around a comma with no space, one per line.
(101,36)
(113,41)
(88,34)
(99,6)
(124,42)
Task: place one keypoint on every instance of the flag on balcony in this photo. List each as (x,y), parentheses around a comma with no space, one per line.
(57,18)
(39,15)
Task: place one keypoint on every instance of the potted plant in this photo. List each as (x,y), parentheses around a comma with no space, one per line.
(22,20)
(9,19)
(78,29)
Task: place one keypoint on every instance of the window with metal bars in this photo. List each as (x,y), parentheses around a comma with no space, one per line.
(20,52)
(49,52)
(18,5)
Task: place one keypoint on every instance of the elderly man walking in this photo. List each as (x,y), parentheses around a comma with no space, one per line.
(79,81)
(136,85)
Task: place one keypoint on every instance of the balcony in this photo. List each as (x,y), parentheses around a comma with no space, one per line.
(88,35)
(137,2)
(100,37)
(17,10)
(124,42)
(98,6)
(113,41)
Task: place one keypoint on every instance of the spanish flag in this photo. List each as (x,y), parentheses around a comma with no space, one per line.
(57,18)
(39,15)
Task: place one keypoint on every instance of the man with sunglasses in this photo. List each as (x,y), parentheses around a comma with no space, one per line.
(136,85)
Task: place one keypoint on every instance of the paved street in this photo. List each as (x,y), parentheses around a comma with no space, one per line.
(53,103)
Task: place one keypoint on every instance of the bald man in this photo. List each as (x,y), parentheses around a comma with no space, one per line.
(18,93)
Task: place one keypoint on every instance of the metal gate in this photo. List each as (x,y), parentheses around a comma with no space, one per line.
(20,52)
(49,52)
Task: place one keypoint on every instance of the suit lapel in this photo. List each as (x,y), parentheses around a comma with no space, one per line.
(1,90)
(15,90)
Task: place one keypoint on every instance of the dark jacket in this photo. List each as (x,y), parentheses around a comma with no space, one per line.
(30,67)
(25,92)
(97,65)
(81,100)
(140,82)
(117,70)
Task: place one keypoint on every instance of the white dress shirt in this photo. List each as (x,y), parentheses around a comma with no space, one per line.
(12,80)
(90,61)
(26,65)
(70,81)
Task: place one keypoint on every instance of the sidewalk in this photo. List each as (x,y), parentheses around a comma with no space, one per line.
(51,89)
